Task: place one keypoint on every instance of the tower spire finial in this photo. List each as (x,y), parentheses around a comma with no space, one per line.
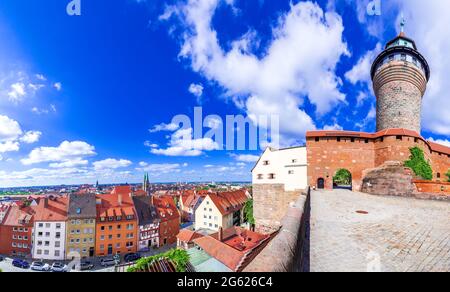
(402,24)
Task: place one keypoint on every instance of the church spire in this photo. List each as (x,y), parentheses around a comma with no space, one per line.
(402,25)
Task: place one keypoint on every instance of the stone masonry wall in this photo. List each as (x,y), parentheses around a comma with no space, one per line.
(399,87)
(270,204)
(390,179)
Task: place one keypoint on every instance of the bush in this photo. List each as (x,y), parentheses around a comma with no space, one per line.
(248,212)
(179,257)
(419,165)
(448,175)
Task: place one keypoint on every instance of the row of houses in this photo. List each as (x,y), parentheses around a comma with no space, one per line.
(87,225)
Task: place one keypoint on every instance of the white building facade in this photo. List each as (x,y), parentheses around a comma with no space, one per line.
(288,167)
(49,240)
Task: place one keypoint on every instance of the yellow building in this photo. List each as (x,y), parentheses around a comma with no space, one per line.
(81,226)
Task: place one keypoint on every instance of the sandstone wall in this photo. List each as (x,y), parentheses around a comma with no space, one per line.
(270,204)
(288,251)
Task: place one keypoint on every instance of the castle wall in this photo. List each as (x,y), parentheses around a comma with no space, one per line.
(326,156)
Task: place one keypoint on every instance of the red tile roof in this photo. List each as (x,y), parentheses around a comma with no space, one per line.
(237,247)
(229,202)
(124,190)
(388,132)
(111,207)
(52,209)
(18,216)
(166,208)
(187,235)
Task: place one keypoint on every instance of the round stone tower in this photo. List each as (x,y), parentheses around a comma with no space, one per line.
(400,75)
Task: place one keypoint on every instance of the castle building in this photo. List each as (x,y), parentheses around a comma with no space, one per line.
(400,75)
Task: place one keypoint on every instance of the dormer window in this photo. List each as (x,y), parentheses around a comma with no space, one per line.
(78,211)
(266,162)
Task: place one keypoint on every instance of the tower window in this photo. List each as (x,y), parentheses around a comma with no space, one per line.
(352,140)
(399,138)
(339,139)
(403,57)
(366,141)
(391,58)
(317,139)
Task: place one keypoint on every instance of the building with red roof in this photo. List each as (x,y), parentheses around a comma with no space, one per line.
(50,228)
(169,217)
(221,210)
(186,237)
(116,223)
(16,231)
(234,247)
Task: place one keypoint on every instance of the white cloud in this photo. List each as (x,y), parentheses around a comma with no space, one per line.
(111,164)
(164,127)
(41,77)
(17,92)
(150,144)
(9,129)
(31,137)
(161,168)
(361,71)
(197,91)
(57,86)
(245,157)
(66,151)
(70,163)
(299,62)
(334,127)
(9,146)
(182,144)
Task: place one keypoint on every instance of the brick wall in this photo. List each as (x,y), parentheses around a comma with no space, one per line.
(329,154)
(432,187)
(270,204)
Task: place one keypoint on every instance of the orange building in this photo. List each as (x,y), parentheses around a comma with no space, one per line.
(117,226)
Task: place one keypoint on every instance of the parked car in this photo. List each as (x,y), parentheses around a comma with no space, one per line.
(40,266)
(109,261)
(86,266)
(59,268)
(21,264)
(132,257)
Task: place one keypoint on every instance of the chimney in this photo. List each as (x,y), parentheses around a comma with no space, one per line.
(220,234)
(119,199)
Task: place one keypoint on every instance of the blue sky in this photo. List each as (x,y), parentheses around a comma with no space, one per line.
(92,97)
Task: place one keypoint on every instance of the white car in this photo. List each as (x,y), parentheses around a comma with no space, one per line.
(59,268)
(40,266)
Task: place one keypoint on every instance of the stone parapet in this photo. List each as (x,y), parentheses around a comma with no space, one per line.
(287,252)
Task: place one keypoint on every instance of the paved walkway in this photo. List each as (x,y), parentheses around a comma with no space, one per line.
(397,234)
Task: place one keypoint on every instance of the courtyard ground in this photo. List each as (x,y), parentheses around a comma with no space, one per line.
(389,234)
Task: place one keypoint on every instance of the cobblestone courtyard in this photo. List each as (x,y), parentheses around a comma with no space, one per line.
(397,234)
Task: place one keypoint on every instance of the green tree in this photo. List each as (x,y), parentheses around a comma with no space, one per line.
(343,177)
(179,257)
(248,212)
(419,165)
(448,175)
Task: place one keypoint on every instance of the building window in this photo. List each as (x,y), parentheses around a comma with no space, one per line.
(260,176)
(291,172)
(403,57)
(339,139)
(399,138)
(272,176)
(266,162)
(317,139)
